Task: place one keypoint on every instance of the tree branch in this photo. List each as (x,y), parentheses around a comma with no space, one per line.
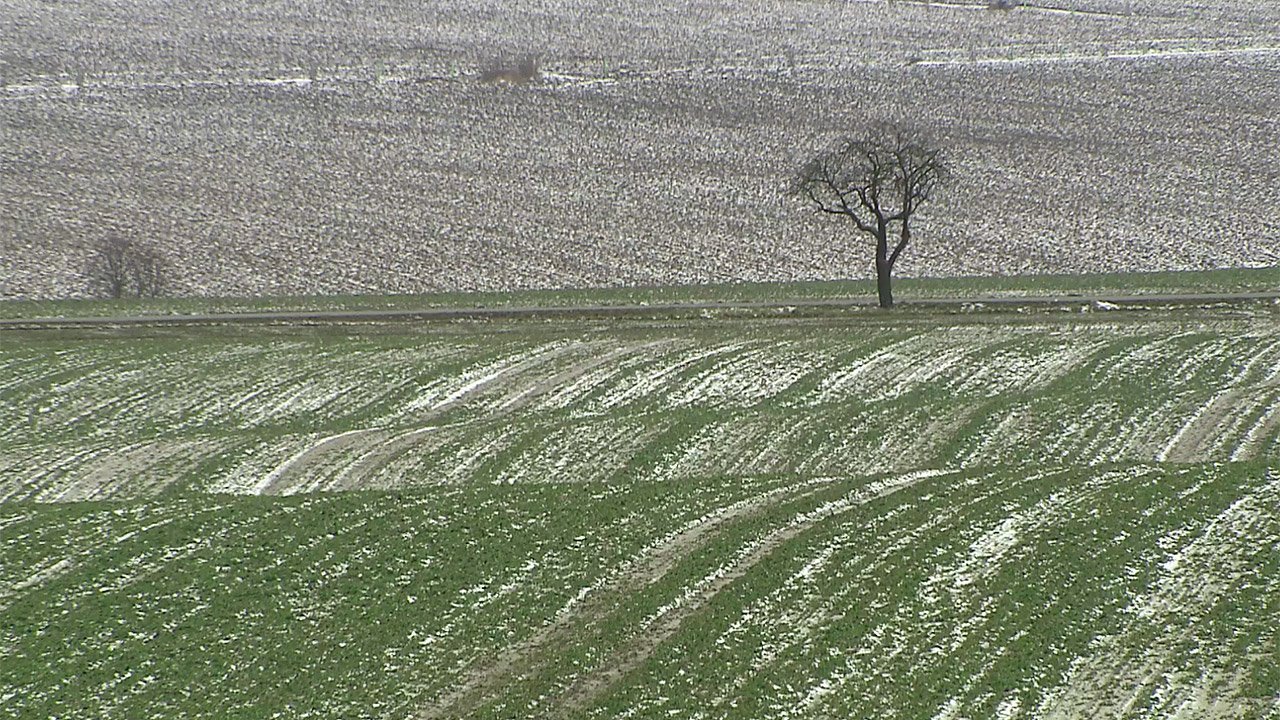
(902,244)
(875,181)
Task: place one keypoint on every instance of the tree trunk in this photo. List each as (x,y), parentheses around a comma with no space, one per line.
(883,268)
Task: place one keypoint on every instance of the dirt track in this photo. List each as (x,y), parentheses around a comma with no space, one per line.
(523,659)
(646,569)
(1100,302)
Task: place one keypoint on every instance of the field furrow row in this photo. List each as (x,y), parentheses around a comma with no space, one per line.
(330,413)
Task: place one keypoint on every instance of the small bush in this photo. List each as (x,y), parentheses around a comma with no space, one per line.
(119,267)
(521,74)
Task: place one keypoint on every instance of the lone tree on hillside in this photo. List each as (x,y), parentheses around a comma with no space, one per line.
(877,180)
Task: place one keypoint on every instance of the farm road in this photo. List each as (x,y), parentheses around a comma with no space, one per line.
(626,310)
(591,687)
(1198,436)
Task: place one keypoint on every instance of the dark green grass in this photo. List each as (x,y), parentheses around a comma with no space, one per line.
(367,604)
(337,605)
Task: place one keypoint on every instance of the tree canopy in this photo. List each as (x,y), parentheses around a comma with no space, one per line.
(878,181)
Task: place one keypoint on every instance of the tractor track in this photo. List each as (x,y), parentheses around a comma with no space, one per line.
(525,658)
(657,561)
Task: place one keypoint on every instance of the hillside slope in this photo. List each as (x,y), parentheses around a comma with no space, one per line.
(1127,591)
(330,148)
(755,515)
(516,402)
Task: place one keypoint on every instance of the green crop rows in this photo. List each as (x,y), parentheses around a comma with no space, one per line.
(262,413)
(931,515)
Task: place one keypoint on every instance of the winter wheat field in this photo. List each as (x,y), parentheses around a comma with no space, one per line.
(980,513)
(349,147)
(1059,512)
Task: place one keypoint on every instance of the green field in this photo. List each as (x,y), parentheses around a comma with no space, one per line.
(925,514)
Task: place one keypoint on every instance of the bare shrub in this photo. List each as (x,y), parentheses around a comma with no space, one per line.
(119,267)
(523,73)
(150,272)
(108,268)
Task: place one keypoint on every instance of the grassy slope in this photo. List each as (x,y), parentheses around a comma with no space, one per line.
(344,605)
(289,411)
(990,589)
(715,537)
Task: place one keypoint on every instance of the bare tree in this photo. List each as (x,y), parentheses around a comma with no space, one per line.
(109,267)
(876,181)
(150,271)
(120,268)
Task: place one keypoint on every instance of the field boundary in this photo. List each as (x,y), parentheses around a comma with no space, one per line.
(1085,302)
